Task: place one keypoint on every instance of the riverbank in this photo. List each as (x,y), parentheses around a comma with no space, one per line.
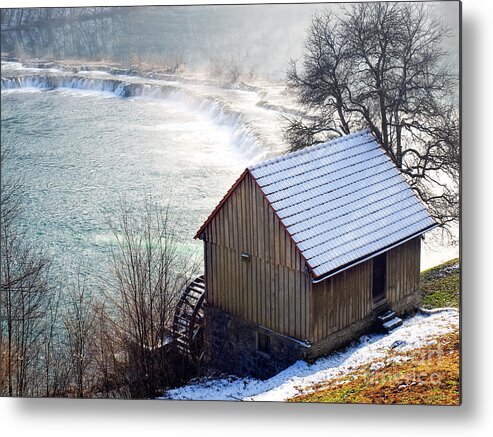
(372,362)
(441,285)
(428,374)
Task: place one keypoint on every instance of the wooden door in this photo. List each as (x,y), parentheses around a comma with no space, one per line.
(379,278)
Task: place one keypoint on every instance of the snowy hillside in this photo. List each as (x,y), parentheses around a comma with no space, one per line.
(416,332)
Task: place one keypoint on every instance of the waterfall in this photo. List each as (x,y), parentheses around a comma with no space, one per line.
(220,113)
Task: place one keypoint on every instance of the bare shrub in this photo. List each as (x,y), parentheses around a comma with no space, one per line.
(148,272)
(25,299)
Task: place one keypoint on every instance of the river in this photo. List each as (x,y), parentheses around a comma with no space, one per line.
(84,144)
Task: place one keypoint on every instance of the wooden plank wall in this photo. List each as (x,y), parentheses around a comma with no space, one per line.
(347,297)
(341,300)
(403,270)
(271,289)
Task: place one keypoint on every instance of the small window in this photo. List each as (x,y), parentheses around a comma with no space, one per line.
(263,343)
(245,256)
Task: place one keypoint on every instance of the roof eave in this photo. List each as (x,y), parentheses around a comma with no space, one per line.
(324,276)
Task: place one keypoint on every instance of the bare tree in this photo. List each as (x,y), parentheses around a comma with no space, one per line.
(59,32)
(149,271)
(55,359)
(25,296)
(21,18)
(79,322)
(72,344)
(382,66)
(110,363)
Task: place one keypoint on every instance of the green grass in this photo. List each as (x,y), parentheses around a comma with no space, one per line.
(441,287)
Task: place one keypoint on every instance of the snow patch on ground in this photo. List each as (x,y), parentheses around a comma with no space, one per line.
(415,332)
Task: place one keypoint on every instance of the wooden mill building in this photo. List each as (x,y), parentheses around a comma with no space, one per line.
(305,251)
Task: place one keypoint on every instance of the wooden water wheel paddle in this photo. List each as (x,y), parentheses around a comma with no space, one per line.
(188,321)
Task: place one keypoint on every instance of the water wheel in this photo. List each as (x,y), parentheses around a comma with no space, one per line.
(188,320)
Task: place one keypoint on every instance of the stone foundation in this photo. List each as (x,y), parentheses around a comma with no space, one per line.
(408,304)
(343,337)
(232,346)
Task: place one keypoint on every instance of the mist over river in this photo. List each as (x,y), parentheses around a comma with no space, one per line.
(262,38)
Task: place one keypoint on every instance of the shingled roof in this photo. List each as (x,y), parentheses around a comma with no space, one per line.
(342,201)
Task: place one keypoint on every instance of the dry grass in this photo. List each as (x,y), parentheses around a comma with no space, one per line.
(429,375)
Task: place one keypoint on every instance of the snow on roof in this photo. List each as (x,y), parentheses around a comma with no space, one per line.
(341,201)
